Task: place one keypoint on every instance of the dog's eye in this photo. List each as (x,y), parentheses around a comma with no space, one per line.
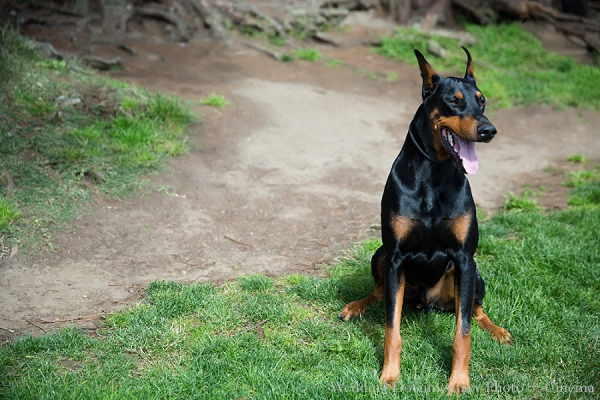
(482,101)
(454,102)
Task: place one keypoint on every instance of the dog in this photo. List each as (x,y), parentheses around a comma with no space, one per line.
(428,223)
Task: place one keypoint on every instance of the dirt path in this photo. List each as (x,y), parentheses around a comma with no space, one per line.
(285,179)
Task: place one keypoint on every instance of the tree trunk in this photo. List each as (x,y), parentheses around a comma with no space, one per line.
(82,7)
(399,10)
(114,17)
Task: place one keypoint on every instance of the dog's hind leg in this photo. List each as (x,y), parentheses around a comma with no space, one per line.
(357,308)
(499,334)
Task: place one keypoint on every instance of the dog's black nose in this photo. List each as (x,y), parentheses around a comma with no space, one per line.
(486,132)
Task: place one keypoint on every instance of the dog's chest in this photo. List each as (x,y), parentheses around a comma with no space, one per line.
(428,245)
(425,273)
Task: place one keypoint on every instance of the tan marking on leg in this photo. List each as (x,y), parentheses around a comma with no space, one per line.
(442,293)
(392,344)
(499,334)
(401,226)
(461,353)
(460,227)
(357,308)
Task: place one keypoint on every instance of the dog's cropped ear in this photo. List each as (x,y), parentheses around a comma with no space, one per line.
(470,73)
(430,77)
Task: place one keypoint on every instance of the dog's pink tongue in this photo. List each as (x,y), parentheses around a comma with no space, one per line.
(466,152)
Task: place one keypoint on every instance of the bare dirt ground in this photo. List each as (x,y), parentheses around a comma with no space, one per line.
(285,179)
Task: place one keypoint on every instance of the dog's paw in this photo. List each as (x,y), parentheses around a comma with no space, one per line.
(458,386)
(389,378)
(352,310)
(501,335)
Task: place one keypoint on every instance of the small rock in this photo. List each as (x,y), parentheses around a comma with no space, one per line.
(436,49)
(326,38)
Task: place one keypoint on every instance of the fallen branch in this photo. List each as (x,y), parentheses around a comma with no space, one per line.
(89,317)
(101,63)
(36,325)
(118,44)
(273,54)
(324,38)
(49,50)
(238,242)
(77,69)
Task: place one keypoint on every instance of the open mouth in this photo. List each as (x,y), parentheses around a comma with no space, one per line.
(461,151)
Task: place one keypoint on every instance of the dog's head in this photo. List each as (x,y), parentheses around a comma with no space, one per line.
(455,109)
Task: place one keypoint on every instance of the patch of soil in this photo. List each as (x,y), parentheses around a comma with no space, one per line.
(285,179)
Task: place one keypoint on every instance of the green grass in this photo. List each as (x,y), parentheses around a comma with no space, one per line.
(261,337)
(511,65)
(303,27)
(520,204)
(15,54)
(586,195)
(275,40)
(308,54)
(7,212)
(578,159)
(287,58)
(582,177)
(52,142)
(586,184)
(215,100)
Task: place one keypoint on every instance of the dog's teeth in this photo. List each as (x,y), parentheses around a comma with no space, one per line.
(451,140)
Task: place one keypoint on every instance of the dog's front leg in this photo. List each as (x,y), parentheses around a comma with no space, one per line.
(394,295)
(464,294)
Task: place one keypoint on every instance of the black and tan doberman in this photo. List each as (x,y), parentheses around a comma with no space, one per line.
(428,223)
